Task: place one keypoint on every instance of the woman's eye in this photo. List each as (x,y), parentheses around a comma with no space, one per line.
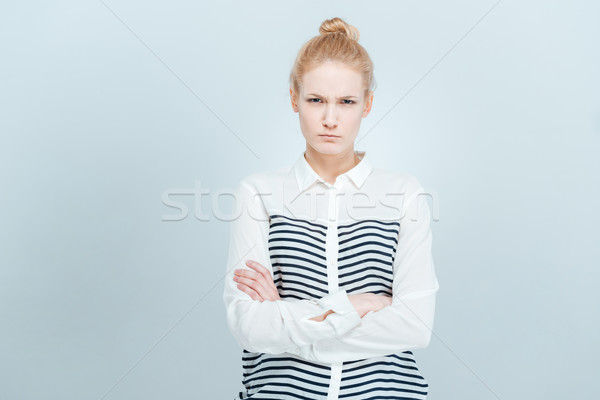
(345,101)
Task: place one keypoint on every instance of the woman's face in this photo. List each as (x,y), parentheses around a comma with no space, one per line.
(331,104)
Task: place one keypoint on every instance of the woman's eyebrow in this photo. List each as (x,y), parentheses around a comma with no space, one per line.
(343,97)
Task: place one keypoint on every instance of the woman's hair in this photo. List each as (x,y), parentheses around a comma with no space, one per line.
(338,42)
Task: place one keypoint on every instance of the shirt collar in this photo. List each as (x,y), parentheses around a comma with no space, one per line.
(306,176)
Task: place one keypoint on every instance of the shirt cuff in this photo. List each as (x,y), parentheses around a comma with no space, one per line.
(344,316)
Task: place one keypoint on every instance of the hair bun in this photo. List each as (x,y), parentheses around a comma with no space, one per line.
(335,25)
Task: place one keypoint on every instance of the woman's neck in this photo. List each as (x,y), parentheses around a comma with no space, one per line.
(330,166)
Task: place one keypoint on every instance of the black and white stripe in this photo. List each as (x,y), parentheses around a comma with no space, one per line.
(366,256)
(297,250)
(394,376)
(366,250)
(268,376)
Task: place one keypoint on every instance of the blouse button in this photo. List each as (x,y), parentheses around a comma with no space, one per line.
(336,376)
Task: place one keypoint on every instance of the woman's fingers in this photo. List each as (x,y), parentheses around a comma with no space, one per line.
(240,277)
(264,276)
(261,269)
(259,279)
(251,285)
(250,278)
(251,292)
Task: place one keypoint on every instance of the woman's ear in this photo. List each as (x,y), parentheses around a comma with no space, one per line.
(293,99)
(368,104)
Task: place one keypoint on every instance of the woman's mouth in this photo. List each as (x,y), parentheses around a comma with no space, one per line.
(329,136)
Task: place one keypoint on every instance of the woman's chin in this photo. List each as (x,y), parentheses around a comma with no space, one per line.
(329,148)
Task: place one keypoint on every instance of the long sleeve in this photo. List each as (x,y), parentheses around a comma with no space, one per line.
(407,323)
(273,326)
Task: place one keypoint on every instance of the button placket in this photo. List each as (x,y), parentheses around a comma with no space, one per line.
(331,246)
(331,240)
(334,385)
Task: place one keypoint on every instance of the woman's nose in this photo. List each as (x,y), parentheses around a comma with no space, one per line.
(330,119)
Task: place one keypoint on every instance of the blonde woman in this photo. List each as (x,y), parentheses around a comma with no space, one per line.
(330,281)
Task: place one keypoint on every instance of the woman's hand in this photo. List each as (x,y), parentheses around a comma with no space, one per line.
(258,283)
(365,302)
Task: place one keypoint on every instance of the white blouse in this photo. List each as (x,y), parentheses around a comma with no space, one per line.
(369,232)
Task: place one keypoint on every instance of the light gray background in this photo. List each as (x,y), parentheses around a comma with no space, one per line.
(105,106)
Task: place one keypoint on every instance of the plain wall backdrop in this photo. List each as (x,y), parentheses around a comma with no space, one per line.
(107,105)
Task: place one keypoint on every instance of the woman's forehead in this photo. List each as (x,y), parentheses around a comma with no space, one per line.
(333,80)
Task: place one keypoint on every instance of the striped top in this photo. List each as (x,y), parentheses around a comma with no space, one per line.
(369,232)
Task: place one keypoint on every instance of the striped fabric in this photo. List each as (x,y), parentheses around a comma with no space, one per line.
(366,256)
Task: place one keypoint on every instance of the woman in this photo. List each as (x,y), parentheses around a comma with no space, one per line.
(330,280)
